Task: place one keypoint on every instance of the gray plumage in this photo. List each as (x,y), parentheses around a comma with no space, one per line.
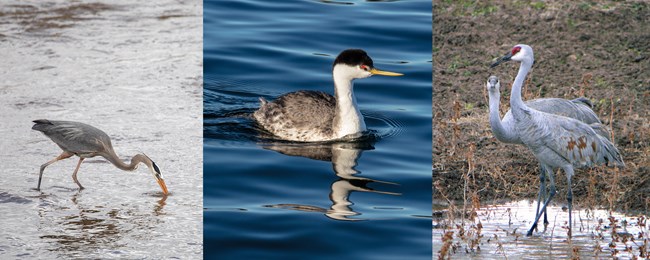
(504,129)
(301,115)
(80,139)
(86,141)
(556,141)
(579,108)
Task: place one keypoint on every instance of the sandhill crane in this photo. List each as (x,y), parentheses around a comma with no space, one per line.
(503,129)
(556,141)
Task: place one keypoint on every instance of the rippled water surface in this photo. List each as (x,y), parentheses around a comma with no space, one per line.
(130,68)
(267,199)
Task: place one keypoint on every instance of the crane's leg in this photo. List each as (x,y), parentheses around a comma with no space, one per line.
(74,174)
(62,156)
(550,196)
(547,172)
(542,191)
(569,196)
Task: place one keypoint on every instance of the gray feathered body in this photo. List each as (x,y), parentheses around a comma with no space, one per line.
(579,109)
(300,116)
(78,138)
(559,141)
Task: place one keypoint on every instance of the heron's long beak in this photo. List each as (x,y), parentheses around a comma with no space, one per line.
(161,182)
(503,59)
(376,71)
(159,178)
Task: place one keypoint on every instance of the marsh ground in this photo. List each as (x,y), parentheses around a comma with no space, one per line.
(596,49)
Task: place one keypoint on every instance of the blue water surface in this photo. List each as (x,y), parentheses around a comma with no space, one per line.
(268,199)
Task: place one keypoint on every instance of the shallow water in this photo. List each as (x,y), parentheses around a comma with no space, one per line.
(130,68)
(269,199)
(597,233)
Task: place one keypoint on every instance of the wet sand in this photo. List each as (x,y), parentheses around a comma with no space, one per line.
(130,68)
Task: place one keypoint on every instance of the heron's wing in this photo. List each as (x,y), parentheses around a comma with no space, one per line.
(75,137)
(577,142)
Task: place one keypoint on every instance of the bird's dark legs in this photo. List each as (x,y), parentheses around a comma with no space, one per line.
(74,174)
(62,156)
(542,192)
(569,196)
(550,196)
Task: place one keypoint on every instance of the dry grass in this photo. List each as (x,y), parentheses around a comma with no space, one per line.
(599,50)
(596,49)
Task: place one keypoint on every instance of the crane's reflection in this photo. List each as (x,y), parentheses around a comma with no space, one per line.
(344,157)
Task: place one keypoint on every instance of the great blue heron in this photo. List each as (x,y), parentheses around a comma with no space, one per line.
(310,116)
(504,129)
(556,141)
(86,141)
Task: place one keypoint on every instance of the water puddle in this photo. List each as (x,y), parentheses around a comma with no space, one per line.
(500,230)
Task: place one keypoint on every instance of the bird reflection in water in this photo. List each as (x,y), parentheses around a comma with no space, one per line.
(344,156)
(79,224)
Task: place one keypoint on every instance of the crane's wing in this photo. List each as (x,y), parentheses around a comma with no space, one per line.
(577,142)
(578,108)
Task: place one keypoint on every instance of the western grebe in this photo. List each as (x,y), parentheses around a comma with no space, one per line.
(311,116)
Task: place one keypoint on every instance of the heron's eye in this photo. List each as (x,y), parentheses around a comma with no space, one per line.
(364,67)
(516,50)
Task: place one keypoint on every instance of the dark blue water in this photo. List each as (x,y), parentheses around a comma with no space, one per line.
(267,199)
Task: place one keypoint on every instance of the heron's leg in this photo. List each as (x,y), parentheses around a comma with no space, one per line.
(62,156)
(569,196)
(550,196)
(74,174)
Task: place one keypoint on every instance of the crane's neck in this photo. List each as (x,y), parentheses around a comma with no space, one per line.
(347,117)
(498,130)
(516,103)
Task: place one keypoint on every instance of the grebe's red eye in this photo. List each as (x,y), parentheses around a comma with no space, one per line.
(516,50)
(364,67)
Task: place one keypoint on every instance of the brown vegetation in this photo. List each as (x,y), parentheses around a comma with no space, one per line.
(596,49)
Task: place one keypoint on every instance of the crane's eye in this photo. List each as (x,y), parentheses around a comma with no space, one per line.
(516,50)
(364,67)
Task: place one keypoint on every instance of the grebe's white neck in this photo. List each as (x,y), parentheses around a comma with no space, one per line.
(347,117)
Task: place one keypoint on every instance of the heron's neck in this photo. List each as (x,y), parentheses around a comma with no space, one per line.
(516,103)
(498,130)
(115,160)
(347,117)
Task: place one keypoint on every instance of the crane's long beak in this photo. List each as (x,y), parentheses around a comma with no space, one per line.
(503,59)
(376,71)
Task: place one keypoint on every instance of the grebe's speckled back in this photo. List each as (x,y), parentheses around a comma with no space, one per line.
(311,116)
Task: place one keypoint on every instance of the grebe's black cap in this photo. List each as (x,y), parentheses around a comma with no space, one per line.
(354,57)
